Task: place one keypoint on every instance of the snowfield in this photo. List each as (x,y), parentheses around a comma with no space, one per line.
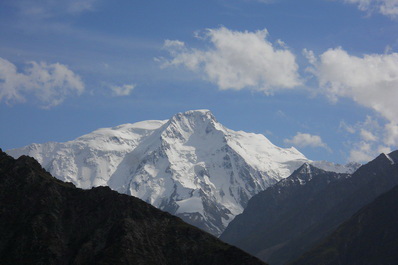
(191,165)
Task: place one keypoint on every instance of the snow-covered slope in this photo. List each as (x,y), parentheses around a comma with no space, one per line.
(190,165)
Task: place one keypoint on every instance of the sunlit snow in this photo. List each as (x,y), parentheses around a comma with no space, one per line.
(188,164)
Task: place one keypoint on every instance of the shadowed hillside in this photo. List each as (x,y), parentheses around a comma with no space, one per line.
(369,237)
(46,221)
(289,218)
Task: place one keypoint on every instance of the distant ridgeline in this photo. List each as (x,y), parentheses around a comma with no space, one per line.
(304,210)
(46,221)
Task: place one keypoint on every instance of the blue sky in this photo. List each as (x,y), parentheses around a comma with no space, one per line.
(319,75)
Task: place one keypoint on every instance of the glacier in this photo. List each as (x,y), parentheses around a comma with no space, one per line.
(190,165)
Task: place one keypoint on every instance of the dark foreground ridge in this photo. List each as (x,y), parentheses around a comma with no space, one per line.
(369,237)
(46,221)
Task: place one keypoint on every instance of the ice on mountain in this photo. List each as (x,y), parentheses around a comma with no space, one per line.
(189,165)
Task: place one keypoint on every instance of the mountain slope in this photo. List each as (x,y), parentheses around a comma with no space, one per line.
(287,219)
(191,165)
(281,212)
(46,221)
(369,237)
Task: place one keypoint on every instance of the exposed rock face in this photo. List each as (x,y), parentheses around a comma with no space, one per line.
(286,220)
(46,221)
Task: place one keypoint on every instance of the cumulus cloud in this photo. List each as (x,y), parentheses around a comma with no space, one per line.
(49,84)
(384,7)
(370,80)
(123,90)
(307,140)
(238,60)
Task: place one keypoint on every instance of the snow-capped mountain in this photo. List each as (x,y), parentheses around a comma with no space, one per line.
(190,165)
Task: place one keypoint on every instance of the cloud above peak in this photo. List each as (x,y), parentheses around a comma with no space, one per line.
(47,84)
(237,60)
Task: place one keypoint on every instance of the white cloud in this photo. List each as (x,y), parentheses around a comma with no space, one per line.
(238,60)
(370,80)
(307,140)
(49,84)
(123,90)
(10,82)
(384,7)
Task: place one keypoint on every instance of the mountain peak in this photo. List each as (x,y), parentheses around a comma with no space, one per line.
(190,165)
(198,112)
(393,157)
(194,116)
(384,159)
(305,173)
(182,125)
(306,168)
